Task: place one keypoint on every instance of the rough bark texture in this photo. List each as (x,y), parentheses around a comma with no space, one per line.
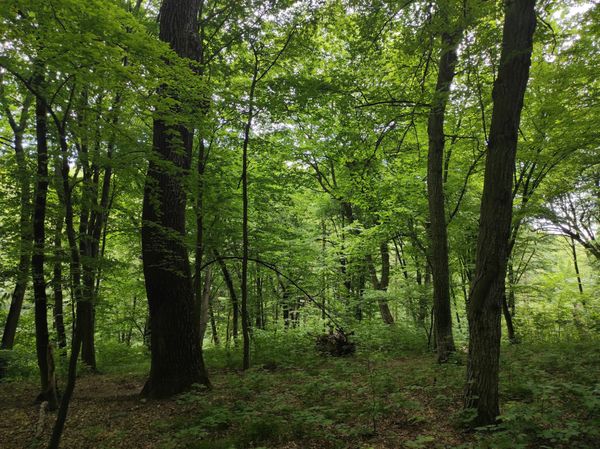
(487,290)
(176,361)
(435,189)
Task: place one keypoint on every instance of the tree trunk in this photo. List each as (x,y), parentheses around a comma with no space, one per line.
(213,324)
(69,388)
(576,265)
(25,237)
(510,329)
(176,355)
(48,388)
(487,290)
(435,188)
(59,319)
(232,294)
(204,303)
(383,283)
(199,248)
(259,300)
(245,242)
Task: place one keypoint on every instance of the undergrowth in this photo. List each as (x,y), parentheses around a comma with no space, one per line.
(390,394)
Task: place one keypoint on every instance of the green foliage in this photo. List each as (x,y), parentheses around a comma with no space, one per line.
(337,167)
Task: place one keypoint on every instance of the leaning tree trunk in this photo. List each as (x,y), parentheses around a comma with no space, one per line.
(435,188)
(48,388)
(487,290)
(176,361)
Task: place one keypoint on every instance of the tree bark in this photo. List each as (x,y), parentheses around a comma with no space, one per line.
(176,354)
(435,187)
(213,324)
(232,294)
(487,290)
(383,283)
(59,319)
(245,242)
(510,328)
(204,303)
(25,232)
(48,388)
(576,265)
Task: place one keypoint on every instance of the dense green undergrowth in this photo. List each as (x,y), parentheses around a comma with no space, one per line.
(391,393)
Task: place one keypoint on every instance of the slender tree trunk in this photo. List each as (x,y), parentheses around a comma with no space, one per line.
(285,303)
(245,243)
(199,248)
(213,324)
(435,187)
(510,329)
(59,321)
(259,300)
(25,232)
(48,388)
(176,354)
(70,387)
(232,295)
(487,290)
(576,265)
(383,283)
(205,303)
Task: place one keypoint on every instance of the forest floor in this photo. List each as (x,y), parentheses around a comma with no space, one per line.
(373,400)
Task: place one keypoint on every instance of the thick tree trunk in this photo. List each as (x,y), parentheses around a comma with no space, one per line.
(487,290)
(48,388)
(176,360)
(435,188)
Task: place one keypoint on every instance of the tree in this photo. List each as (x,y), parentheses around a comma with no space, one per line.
(487,289)
(48,386)
(442,314)
(176,361)
(18,127)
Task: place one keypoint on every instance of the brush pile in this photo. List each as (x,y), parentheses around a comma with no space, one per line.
(335,343)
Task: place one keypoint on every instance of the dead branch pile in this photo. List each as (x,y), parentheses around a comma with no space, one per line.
(335,343)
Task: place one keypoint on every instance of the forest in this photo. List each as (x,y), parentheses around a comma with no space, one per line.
(317,224)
